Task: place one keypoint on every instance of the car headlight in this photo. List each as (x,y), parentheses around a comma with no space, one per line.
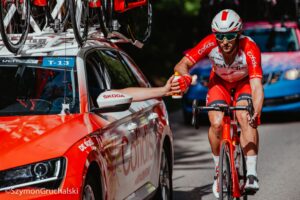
(292,74)
(45,174)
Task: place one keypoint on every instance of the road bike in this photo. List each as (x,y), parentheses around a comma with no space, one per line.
(14,19)
(50,13)
(232,165)
(17,16)
(130,17)
(133,17)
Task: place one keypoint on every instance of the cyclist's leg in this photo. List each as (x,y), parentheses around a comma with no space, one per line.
(249,135)
(217,94)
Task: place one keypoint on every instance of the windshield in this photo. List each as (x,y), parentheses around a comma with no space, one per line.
(38,86)
(274,40)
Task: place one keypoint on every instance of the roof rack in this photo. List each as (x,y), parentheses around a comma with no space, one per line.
(48,41)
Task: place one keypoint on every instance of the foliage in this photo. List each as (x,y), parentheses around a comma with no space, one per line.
(187,7)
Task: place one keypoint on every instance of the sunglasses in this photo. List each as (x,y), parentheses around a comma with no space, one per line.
(228,36)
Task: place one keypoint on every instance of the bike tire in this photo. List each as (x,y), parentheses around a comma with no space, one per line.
(225,179)
(106,13)
(242,171)
(81,29)
(138,22)
(10,45)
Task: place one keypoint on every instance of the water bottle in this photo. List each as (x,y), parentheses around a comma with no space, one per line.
(176,95)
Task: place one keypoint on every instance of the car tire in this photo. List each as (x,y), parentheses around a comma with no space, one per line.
(91,189)
(165,188)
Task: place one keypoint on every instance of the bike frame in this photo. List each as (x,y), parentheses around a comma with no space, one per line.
(120,5)
(229,138)
(123,6)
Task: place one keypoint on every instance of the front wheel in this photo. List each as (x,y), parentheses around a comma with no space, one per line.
(138,22)
(91,188)
(165,188)
(14,19)
(225,183)
(106,12)
(79,13)
(240,163)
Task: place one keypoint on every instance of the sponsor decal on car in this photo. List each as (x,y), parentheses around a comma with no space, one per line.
(68,62)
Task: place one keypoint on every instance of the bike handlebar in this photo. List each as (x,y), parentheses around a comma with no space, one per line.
(225,108)
(222,108)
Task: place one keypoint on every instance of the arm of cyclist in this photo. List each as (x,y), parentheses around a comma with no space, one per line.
(185,80)
(257,98)
(140,93)
(192,56)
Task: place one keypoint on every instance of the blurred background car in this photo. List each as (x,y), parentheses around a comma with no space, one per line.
(279,45)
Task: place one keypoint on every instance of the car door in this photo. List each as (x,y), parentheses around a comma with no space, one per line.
(136,173)
(119,133)
(155,113)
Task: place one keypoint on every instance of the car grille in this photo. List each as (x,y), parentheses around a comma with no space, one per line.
(271,78)
(282,100)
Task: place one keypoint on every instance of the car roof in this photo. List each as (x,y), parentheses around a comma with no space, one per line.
(63,44)
(266,24)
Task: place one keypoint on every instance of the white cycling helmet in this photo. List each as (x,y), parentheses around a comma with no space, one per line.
(226,21)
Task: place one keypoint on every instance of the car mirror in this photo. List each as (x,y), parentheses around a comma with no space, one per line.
(112,101)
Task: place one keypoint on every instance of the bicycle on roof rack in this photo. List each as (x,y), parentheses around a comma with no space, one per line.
(130,17)
(116,19)
(17,16)
(14,19)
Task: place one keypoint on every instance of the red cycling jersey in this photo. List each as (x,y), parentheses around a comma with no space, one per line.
(247,61)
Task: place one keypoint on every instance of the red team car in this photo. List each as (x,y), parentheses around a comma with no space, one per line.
(64,135)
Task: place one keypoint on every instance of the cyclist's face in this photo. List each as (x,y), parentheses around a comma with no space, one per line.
(227,42)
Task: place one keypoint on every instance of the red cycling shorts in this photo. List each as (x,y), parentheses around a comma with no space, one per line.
(219,91)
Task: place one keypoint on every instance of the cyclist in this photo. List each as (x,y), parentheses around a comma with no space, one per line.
(236,64)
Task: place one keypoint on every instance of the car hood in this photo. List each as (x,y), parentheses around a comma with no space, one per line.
(29,139)
(272,62)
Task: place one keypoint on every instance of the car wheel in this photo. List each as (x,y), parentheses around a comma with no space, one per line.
(91,188)
(165,189)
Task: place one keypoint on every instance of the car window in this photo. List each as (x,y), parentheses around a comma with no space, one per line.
(38,86)
(97,75)
(274,40)
(120,74)
(132,65)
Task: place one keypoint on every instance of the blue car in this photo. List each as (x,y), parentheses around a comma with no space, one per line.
(280,48)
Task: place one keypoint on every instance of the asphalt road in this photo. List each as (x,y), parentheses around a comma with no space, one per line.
(278,161)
